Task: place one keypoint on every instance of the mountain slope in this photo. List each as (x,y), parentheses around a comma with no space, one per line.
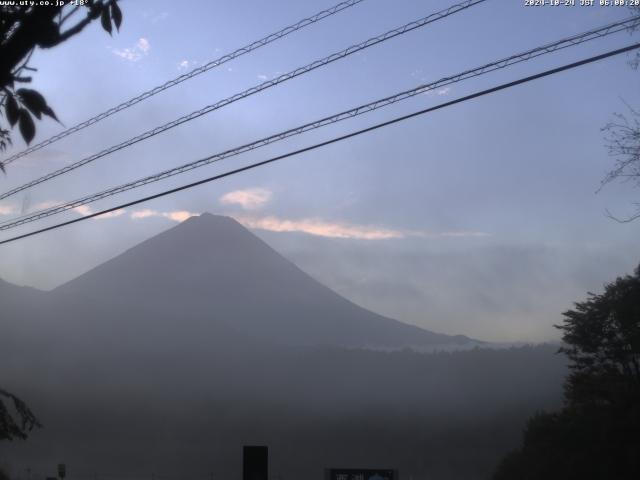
(212,270)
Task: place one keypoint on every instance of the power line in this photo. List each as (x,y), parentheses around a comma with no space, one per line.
(371,106)
(253,90)
(333,140)
(186,76)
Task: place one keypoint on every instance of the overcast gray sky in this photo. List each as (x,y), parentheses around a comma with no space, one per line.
(480,219)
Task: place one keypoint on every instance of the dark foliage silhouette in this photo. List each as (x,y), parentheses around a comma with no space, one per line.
(23,28)
(597,433)
(19,423)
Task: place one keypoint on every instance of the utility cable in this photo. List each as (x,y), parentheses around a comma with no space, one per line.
(331,141)
(362,109)
(186,76)
(251,91)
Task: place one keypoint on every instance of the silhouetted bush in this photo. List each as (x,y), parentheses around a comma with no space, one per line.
(597,433)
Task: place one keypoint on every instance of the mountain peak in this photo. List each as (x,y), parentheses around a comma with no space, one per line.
(206,215)
(212,268)
(211,223)
(209,218)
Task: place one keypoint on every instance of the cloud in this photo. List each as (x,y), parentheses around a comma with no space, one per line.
(8,209)
(187,64)
(83,210)
(320,228)
(444,91)
(250,199)
(135,53)
(146,213)
(114,214)
(310,226)
(143,45)
(176,215)
(331,229)
(262,77)
(179,216)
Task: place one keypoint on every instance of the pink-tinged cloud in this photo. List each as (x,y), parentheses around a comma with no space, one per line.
(176,215)
(8,209)
(146,213)
(312,226)
(320,228)
(179,216)
(83,210)
(114,214)
(249,199)
(331,229)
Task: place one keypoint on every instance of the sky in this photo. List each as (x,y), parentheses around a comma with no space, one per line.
(479,219)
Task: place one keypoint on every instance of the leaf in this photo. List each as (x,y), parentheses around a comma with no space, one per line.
(11,109)
(116,14)
(50,113)
(5,139)
(27,127)
(106,20)
(33,100)
(36,103)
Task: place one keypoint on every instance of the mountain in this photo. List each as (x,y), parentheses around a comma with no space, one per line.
(20,313)
(164,361)
(210,269)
